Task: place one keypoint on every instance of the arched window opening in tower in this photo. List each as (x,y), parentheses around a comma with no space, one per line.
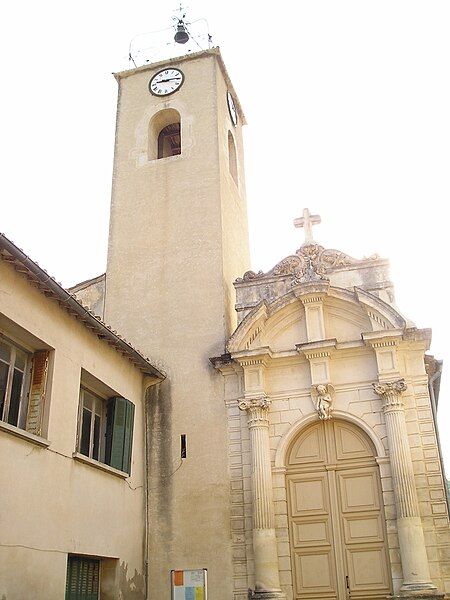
(164,134)
(232,158)
(169,141)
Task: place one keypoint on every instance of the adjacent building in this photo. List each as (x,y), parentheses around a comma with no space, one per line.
(73,490)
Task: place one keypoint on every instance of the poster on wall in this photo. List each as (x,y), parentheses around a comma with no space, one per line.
(189,585)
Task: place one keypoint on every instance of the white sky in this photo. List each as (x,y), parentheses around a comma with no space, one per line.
(348,109)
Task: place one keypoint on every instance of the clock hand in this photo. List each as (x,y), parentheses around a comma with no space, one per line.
(171,79)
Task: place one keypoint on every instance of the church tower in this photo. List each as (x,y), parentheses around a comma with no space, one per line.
(178,239)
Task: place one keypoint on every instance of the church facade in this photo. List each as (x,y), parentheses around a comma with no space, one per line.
(291,448)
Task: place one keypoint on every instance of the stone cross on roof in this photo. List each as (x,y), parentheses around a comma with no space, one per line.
(307,221)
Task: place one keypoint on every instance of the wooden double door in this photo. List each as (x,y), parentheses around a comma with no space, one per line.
(336,518)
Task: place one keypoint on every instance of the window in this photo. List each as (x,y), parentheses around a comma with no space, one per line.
(232,158)
(164,134)
(106,429)
(93,426)
(83,578)
(23,378)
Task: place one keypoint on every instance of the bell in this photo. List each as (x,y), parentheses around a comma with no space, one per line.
(181,36)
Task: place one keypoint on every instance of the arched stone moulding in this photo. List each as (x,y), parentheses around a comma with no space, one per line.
(291,434)
(377,310)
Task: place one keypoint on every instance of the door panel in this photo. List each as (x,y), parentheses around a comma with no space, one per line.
(350,443)
(359,490)
(315,574)
(311,535)
(309,494)
(363,528)
(336,519)
(367,570)
(309,448)
(308,533)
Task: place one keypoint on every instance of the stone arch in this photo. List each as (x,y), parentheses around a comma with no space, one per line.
(164,134)
(294,431)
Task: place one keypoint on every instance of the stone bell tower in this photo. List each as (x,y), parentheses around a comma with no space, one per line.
(178,239)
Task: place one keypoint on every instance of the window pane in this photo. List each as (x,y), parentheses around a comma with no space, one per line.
(88,400)
(14,403)
(3,381)
(96,442)
(5,352)
(85,432)
(21,359)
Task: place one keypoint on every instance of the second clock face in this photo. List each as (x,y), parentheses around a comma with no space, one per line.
(166,82)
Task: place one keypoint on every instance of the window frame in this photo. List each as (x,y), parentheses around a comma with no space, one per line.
(102,413)
(25,383)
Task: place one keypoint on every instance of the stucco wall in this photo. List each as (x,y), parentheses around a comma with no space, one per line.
(51,503)
(92,294)
(177,241)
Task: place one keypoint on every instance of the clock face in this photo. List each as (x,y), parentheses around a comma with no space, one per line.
(232,109)
(166,82)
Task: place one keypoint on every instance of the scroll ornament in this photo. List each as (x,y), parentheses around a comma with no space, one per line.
(311,262)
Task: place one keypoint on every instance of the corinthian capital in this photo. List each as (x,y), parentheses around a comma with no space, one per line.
(257,410)
(389,392)
(252,404)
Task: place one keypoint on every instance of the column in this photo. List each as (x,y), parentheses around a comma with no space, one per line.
(416,572)
(267,579)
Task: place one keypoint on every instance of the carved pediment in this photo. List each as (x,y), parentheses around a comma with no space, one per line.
(311,262)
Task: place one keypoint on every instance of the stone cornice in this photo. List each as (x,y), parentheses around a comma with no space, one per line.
(319,349)
(379,339)
(259,356)
(313,291)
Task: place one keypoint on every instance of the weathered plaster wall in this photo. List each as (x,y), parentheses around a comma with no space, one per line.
(51,504)
(92,294)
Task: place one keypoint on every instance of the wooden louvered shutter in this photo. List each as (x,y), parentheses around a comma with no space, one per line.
(83,577)
(119,433)
(36,396)
(128,440)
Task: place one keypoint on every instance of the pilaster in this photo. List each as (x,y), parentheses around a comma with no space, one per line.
(314,315)
(318,355)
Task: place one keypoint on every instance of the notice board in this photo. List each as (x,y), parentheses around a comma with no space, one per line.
(189,585)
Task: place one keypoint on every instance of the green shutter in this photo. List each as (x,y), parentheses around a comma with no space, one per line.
(83,575)
(119,433)
(128,441)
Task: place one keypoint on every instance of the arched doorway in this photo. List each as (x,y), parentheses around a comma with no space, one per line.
(336,517)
